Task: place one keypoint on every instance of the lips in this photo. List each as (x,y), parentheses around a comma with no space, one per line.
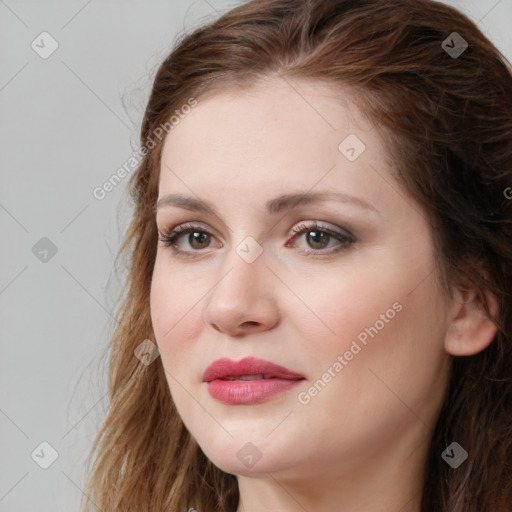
(250,381)
(249,368)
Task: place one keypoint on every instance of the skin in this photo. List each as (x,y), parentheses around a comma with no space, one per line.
(361,442)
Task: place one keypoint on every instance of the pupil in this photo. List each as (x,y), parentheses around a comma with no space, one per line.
(317,237)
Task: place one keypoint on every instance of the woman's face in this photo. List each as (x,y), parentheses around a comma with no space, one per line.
(350,306)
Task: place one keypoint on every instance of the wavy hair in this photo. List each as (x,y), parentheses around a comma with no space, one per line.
(447,122)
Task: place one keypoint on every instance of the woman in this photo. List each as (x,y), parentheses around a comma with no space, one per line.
(318,311)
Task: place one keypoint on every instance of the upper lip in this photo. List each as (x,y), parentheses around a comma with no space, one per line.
(226,367)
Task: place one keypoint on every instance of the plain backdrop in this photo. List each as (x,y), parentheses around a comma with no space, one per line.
(67,123)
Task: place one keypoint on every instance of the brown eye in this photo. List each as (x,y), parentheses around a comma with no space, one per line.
(322,241)
(199,237)
(317,239)
(197,240)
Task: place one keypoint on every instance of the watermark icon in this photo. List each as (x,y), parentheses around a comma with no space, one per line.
(249,455)
(44,45)
(351,147)
(454,455)
(304,397)
(44,250)
(249,249)
(44,455)
(100,192)
(454,45)
(508,193)
(146,352)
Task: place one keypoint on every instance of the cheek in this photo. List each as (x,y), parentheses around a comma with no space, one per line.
(380,321)
(371,290)
(175,313)
(339,305)
(386,354)
(177,321)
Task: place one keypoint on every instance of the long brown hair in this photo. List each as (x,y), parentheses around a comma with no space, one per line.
(447,121)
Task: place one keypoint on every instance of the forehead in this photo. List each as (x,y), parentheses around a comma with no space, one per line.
(273,125)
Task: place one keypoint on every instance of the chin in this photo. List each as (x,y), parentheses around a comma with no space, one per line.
(243,458)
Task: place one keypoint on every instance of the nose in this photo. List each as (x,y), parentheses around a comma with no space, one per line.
(243,300)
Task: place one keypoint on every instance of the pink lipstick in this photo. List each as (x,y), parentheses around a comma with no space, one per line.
(248,381)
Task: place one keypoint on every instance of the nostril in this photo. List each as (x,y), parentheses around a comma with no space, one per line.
(250,324)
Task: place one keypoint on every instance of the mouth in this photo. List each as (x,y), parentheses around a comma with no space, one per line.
(249,381)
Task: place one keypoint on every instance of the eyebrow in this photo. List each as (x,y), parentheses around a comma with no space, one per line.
(275,206)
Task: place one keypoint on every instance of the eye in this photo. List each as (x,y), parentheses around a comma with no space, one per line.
(318,238)
(198,238)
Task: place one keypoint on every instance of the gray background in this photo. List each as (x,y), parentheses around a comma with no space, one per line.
(68,122)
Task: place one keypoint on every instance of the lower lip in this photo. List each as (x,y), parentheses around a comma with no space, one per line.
(244,392)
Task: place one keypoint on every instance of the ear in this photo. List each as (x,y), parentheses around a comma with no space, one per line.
(470,330)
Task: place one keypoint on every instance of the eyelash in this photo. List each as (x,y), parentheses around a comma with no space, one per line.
(346,240)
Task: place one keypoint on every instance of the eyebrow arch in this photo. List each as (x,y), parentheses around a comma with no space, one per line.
(274,206)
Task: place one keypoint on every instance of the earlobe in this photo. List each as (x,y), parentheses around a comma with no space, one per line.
(470,330)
